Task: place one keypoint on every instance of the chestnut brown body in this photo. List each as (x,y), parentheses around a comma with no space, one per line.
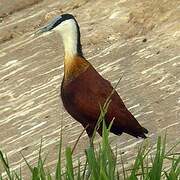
(83,90)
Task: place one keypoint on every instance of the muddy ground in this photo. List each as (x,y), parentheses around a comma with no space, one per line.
(137,38)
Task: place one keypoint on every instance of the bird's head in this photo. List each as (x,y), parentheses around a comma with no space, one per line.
(67,26)
(62,23)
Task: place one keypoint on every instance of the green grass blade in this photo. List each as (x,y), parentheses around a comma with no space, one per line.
(84,169)
(157,163)
(6,166)
(123,168)
(174,171)
(79,170)
(17,176)
(92,163)
(41,162)
(29,166)
(103,176)
(58,166)
(172,148)
(137,164)
(49,176)
(41,169)
(35,174)
(69,165)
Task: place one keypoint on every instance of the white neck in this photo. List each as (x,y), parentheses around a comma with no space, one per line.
(68,32)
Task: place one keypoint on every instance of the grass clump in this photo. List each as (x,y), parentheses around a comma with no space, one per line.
(102,164)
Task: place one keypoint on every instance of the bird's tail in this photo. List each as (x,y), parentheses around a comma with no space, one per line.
(143,132)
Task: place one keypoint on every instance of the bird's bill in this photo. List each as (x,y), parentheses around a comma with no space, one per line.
(49,26)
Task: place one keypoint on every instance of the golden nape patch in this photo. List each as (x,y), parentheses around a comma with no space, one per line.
(73,66)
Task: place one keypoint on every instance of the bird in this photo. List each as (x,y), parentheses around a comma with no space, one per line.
(83,89)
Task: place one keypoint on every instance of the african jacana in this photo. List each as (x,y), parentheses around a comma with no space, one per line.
(83,89)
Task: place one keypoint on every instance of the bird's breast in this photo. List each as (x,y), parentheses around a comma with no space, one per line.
(83,95)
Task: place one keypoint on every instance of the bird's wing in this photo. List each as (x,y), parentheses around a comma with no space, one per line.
(87,92)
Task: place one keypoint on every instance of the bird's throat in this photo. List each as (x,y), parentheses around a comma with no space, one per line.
(70,47)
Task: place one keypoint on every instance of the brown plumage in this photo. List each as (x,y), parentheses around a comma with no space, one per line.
(83,89)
